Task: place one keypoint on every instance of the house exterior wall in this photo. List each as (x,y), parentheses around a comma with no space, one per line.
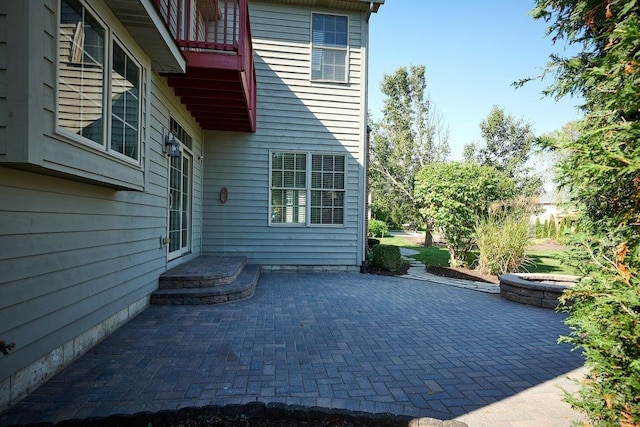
(3,79)
(78,256)
(294,114)
(81,231)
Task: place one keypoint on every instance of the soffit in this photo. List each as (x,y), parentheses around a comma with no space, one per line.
(146,26)
(347,5)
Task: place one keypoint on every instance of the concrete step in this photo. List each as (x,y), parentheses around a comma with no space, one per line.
(242,287)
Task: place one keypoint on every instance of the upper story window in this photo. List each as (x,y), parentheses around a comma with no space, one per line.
(307,188)
(329,47)
(98,83)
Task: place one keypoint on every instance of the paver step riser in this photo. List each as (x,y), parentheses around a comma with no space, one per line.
(197,283)
(223,271)
(243,287)
(202,300)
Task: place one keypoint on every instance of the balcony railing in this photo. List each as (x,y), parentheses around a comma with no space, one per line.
(214,34)
(204,24)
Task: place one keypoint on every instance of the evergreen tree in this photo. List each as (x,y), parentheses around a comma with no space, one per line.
(562,228)
(553,232)
(537,231)
(601,168)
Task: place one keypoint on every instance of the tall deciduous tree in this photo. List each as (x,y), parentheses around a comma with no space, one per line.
(457,196)
(601,167)
(410,135)
(508,146)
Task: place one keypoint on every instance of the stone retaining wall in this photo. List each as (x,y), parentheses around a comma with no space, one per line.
(540,290)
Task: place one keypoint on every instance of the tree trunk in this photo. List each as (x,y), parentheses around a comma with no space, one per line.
(453,257)
(428,233)
(428,238)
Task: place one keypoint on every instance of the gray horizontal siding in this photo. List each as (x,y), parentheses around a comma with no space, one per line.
(70,251)
(3,78)
(241,225)
(164,105)
(293,114)
(74,254)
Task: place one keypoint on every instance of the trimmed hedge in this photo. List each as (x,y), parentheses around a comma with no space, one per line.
(371,242)
(386,257)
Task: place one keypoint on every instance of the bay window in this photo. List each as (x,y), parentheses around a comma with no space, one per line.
(99,83)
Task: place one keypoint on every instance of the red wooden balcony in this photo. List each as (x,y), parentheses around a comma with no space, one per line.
(219,87)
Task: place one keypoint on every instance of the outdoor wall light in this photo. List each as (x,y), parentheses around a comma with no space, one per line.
(172,145)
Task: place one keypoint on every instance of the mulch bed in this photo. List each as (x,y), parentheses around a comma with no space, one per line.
(403,270)
(462,273)
(451,272)
(250,415)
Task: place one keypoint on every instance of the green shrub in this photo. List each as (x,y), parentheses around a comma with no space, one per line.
(562,227)
(601,167)
(537,233)
(377,228)
(502,242)
(386,257)
(564,231)
(553,230)
(604,309)
(545,229)
(371,242)
(456,195)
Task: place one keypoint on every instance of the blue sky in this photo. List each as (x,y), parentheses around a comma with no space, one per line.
(473,50)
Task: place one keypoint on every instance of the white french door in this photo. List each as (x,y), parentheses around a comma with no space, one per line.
(180,179)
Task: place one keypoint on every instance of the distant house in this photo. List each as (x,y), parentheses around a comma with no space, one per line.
(550,207)
(138,135)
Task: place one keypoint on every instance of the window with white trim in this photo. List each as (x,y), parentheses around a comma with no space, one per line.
(99,83)
(329,47)
(307,188)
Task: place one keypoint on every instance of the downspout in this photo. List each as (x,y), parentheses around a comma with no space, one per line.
(366,198)
(367,129)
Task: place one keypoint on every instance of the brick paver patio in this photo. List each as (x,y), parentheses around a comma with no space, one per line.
(344,340)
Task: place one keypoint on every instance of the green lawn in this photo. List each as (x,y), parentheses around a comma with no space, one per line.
(549,261)
(542,261)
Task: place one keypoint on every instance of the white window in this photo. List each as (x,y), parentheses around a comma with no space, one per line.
(307,188)
(327,189)
(329,47)
(98,83)
(125,103)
